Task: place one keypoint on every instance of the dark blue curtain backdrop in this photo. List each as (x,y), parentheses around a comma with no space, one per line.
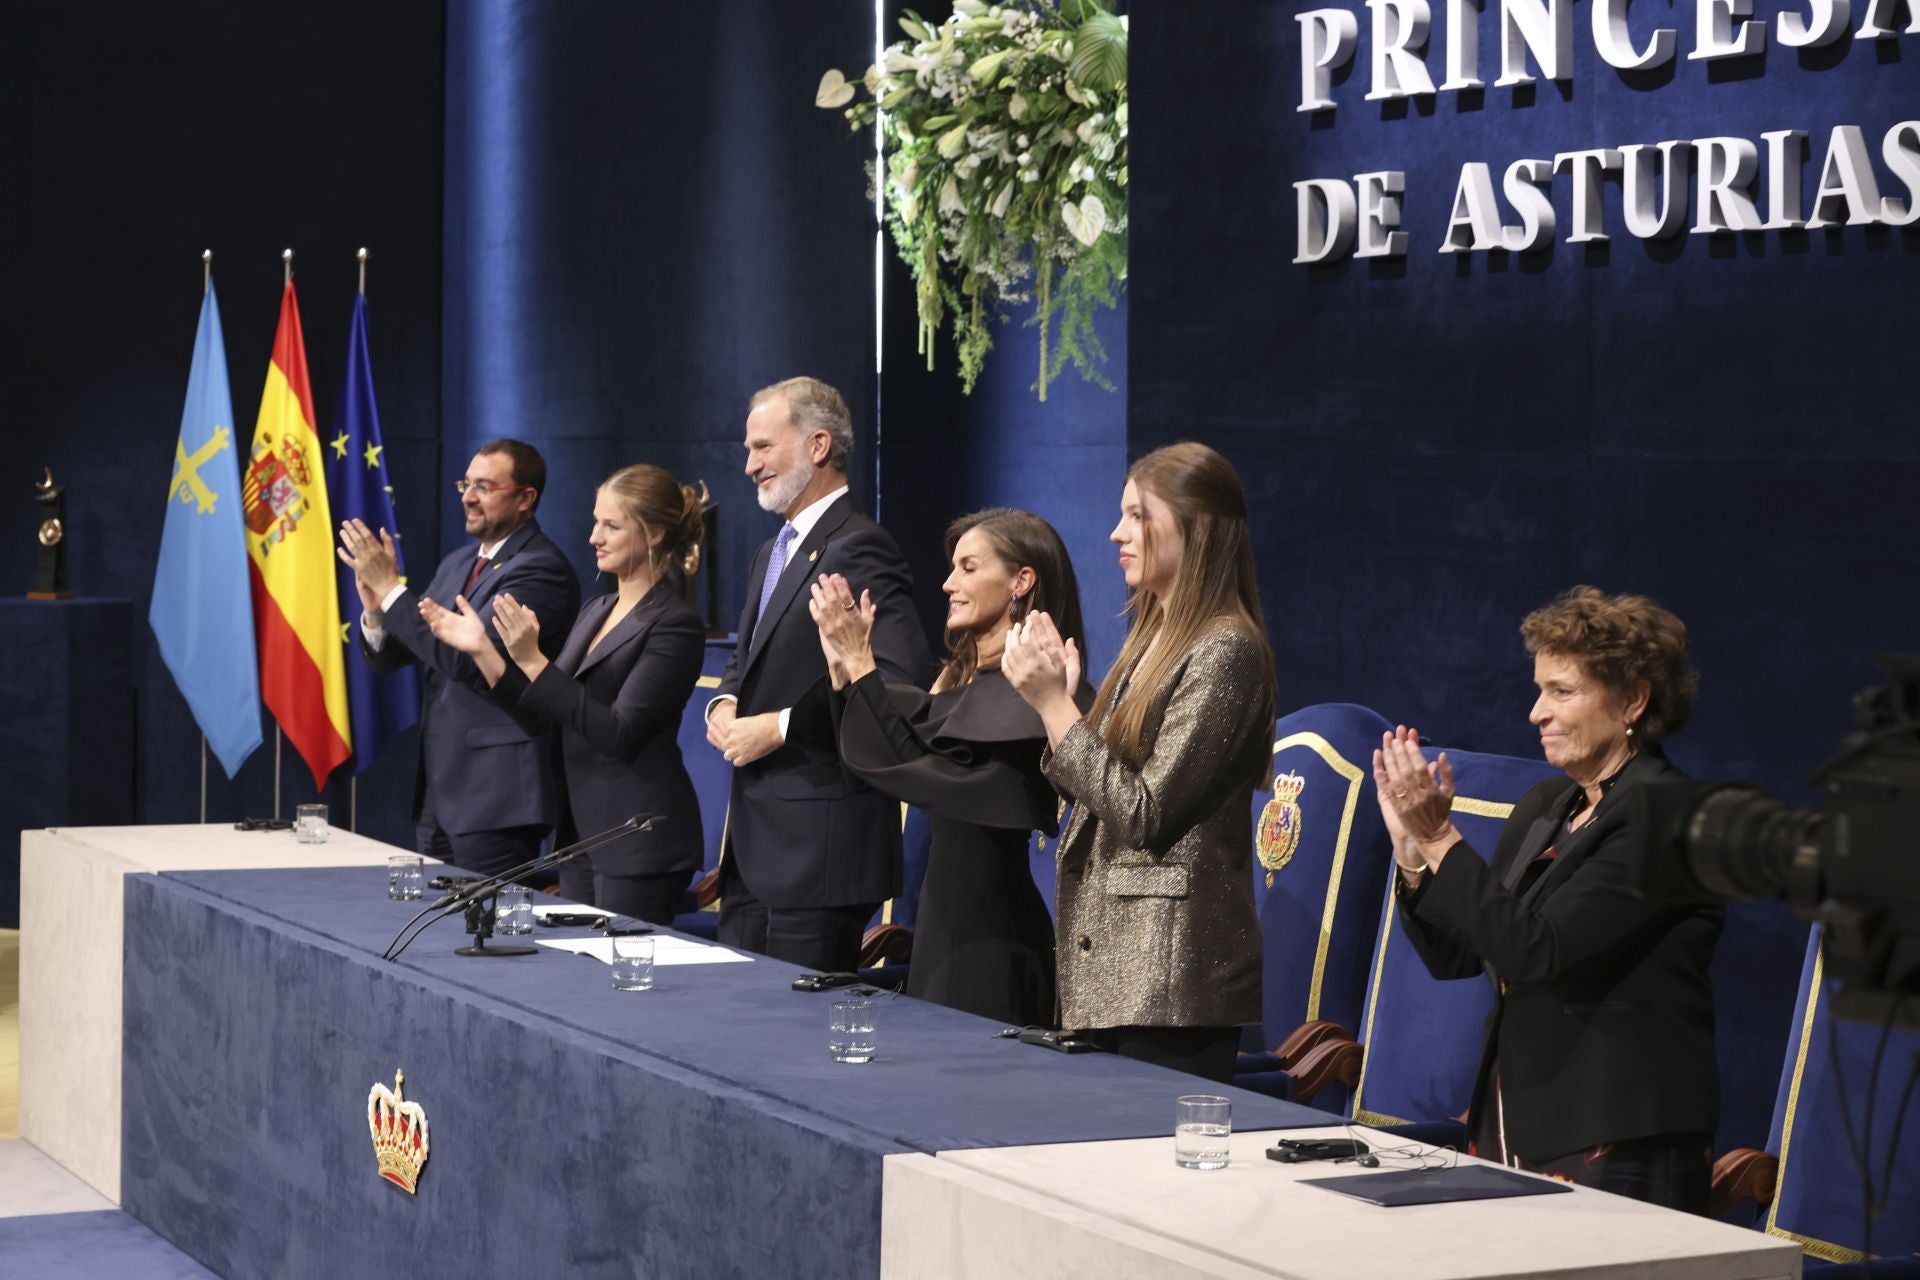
(647,220)
(1433,447)
(133,137)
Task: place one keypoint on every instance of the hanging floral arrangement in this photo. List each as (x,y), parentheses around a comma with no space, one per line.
(1004,131)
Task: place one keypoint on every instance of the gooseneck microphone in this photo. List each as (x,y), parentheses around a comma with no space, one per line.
(469,896)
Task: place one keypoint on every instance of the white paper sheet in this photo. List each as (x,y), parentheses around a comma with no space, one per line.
(666,950)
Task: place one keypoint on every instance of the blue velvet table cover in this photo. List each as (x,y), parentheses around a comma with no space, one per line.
(695,1129)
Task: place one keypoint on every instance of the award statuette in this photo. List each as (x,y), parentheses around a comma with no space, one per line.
(50,579)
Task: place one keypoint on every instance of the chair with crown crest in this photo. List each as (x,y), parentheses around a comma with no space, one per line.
(1321,855)
(1832,1153)
(1413,1062)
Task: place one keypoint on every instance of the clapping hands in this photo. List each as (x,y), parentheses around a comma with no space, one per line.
(846,628)
(458,628)
(1416,800)
(1041,667)
(518,628)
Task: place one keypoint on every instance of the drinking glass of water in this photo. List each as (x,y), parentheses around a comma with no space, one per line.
(850,1035)
(632,961)
(405,879)
(1202,1125)
(513,910)
(310,824)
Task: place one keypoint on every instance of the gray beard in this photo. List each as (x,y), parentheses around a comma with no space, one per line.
(779,495)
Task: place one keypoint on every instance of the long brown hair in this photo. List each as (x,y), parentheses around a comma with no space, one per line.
(1214,583)
(1022,540)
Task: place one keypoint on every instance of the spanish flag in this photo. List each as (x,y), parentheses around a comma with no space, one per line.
(296,616)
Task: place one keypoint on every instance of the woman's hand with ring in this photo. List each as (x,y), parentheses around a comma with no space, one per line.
(846,626)
(1416,799)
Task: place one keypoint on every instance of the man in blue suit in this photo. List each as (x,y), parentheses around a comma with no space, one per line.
(486,795)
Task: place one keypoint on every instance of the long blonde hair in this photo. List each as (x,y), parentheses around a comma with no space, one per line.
(1215,582)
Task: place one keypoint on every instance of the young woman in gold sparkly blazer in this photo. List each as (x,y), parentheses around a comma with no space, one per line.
(1159,944)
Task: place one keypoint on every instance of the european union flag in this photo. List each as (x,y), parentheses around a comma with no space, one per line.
(357,486)
(202,611)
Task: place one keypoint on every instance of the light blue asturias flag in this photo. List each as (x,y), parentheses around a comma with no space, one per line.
(359,488)
(202,611)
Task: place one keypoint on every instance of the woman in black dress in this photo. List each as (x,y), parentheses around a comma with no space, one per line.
(968,752)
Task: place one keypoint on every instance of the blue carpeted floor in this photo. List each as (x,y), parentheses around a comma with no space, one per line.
(87,1246)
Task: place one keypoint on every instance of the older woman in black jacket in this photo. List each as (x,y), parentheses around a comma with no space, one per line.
(1599,1062)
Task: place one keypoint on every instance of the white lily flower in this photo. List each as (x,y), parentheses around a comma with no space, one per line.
(950,196)
(1000,202)
(969,8)
(1017,106)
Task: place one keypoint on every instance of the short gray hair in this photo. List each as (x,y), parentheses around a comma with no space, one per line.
(812,406)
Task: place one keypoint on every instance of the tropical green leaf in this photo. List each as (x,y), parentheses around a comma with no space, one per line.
(1100,53)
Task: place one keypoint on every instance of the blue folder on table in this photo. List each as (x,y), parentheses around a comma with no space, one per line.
(1439,1186)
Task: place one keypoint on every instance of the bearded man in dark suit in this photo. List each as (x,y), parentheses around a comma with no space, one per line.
(810,853)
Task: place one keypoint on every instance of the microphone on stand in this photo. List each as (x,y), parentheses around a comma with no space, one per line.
(474,897)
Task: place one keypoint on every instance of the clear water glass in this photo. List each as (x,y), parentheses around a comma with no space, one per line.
(406,880)
(632,961)
(1202,1128)
(850,1035)
(513,910)
(310,824)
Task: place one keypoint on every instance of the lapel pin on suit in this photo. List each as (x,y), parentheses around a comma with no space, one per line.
(814,556)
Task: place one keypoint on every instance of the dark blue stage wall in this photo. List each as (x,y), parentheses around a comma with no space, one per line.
(647,220)
(944,453)
(1436,443)
(134,136)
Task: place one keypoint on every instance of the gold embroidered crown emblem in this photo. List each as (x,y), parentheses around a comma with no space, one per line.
(399,1130)
(1279,833)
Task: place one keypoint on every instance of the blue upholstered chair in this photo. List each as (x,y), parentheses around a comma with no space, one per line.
(1756,973)
(1808,1181)
(1321,857)
(1419,1039)
(712,784)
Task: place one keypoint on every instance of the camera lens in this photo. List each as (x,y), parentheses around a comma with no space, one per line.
(1741,843)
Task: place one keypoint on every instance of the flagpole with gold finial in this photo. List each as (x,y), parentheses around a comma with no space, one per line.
(286,258)
(206,287)
(353,783)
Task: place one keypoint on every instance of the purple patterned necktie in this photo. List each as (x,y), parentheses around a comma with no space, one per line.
(776,564)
